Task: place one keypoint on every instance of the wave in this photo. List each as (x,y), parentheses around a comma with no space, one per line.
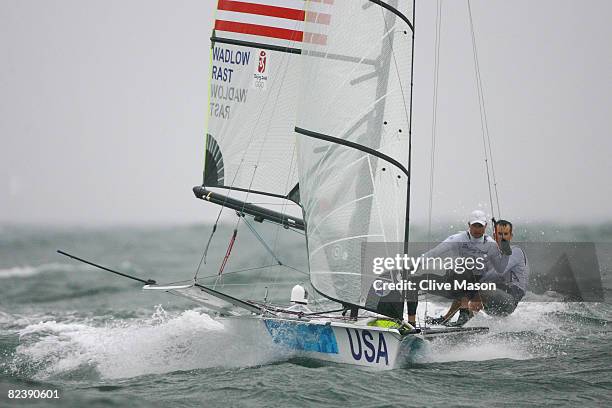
(160,344)
(75,294)
(110,348)
(28,271)
(534,330)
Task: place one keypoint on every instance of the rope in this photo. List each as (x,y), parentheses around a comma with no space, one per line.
(247,269)
(233,239)
(229,251)
(229,191)
(263,143)
(434,125)
(486,138)
(434,121)
(261,240)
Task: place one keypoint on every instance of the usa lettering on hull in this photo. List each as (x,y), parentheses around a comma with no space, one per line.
(364,346)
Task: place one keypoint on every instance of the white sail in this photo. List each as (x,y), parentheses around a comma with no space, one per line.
(254,84)
(352,131)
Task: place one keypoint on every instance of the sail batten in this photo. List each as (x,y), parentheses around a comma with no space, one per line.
(257,45)
(357,146)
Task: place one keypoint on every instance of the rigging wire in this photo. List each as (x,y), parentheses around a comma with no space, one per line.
(249,190)
(214,229)
(296,269)
(242,159)
(260,239)
(283,209)
(263,144)
(434,124)
(407,111)
(205,253)
(233,238)
(228,252)
(245,270)
(434,115)
(486,137)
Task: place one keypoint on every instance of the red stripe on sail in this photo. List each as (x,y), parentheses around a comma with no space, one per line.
(274,11)
(261,9)
(314,38)
(255,29)
(319,18)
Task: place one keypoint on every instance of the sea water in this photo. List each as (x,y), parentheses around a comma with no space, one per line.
(100,341)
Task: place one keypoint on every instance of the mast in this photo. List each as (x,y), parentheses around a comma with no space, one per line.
(407,228)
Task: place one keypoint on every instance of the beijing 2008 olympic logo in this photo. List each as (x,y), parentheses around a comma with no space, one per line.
(261,68)
(260,74)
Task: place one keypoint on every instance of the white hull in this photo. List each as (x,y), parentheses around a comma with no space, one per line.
(335,341)
(330,339)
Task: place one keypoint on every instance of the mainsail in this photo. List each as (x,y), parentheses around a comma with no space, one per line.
(352,131)
(250,144)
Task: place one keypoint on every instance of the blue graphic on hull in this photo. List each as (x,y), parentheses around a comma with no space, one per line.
(303,336)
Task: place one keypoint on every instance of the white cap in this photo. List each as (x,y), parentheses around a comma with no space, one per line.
(299,295)
(478,217)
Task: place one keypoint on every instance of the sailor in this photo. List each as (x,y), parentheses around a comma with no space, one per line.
(299,301)
(511,284)
(474,244)
(390,303)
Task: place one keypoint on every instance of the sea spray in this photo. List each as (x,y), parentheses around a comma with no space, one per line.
(128,348)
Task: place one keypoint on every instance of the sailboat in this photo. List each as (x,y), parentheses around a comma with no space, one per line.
(310,104)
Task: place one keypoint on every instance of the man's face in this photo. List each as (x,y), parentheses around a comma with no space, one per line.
(503,232)
(477,230)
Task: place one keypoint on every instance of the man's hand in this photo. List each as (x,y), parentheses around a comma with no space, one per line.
(435,320)
(504,247)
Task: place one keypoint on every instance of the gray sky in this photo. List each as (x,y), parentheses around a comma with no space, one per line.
(103,103)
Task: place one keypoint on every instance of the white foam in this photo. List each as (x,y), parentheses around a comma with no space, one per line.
(18,271)
(474,349)
(505,338)
(161,344)
(27,270)
(192,340)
